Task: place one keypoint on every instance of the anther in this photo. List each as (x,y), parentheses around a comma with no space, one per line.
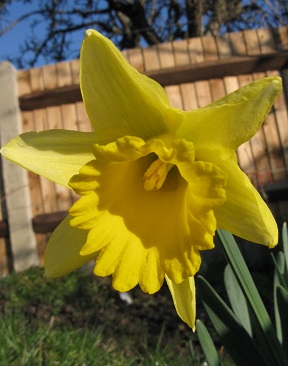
(155,175)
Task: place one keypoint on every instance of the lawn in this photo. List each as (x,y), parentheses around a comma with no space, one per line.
(80,320)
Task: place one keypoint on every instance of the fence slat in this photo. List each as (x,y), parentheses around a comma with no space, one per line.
(209,48)
(203,93)
(36,80)
(195,49)
(135,57)
(237,43)
(189,96)
(282,43)
(223,45)
(217,88)
(75,67)
(252,42)
(266,41)
(174,96)
(181,52)
(166,56)
(151,60)
(281,115)
(64,75)
(23,81)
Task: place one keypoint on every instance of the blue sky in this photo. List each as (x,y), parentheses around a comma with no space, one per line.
(10,42)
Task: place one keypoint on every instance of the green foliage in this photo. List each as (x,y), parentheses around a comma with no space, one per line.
(247,331)
(207,344)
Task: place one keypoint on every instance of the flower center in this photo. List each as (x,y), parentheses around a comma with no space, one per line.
(155,175)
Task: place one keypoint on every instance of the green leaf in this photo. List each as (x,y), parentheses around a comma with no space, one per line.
(282,304)
(267,338)
(279,263)
(207,344)
(234,337)
(285,243)
(237,299)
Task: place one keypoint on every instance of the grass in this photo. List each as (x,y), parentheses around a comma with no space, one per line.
(80,320)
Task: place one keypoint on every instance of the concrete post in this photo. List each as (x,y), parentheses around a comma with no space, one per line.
(16,187)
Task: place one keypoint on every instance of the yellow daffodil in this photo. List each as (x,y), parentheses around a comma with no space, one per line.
(154,182)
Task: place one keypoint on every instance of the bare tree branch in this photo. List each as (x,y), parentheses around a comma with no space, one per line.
(130,23)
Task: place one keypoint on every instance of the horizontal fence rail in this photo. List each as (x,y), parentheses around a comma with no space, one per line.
(194,73)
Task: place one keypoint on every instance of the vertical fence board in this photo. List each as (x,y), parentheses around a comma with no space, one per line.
(252,42)
(75,67)
(283,38)
(181,52)
(135,57)
(151,59)
(217,88)
(174,96)
(223,45)
(237,43)
(36,79)
(23,82)
(188,96)
(203,93)
(209,48)
(166,56)
(280,110)
(50,76)
(195,49)
(231,84)
(64,75)
(266,41)
(69,117)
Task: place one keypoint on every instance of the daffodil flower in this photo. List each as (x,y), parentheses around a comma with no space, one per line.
(154,182)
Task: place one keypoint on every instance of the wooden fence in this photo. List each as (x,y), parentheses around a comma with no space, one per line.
(194,72)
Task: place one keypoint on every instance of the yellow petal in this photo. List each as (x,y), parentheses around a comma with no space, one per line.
(116,96)
(152,273)
(123,258)
(244,213)
(62,254)
(232,120)
(156,231)
(55,154)
(184,298)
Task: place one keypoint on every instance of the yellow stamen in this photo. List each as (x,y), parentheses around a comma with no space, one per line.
(155,175)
